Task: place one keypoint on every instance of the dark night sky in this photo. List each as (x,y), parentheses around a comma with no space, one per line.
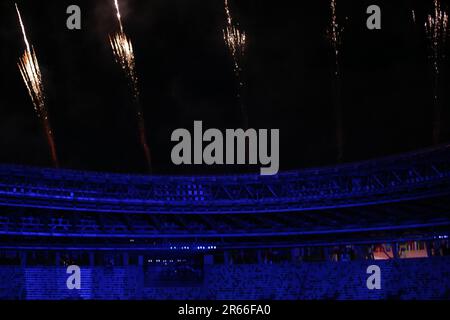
(186,74)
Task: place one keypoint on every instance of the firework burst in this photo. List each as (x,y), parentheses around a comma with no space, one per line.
(32,77)
(236,42)
(235,39)
(124,54)
(437,28)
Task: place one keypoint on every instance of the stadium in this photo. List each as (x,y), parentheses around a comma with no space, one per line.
(94,205)
(308,234)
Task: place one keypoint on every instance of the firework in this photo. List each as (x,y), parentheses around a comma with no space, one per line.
(413,15)
(236,42)
(124,54)
(334,34)
(436,28)
(32,77)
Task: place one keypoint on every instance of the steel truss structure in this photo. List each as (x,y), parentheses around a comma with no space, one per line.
(404,196)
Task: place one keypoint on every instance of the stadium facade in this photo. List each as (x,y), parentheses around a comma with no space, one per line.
(307,234)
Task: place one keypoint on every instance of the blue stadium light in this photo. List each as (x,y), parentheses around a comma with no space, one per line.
(387,180)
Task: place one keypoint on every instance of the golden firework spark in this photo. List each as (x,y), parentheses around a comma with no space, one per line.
(119,17)
(334,33)
(32,77)
(236,41)
(436,27)
(31,74)
(124,54)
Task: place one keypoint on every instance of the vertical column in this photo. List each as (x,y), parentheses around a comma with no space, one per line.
(260,257)
(126,259)
(295,253)
(327,253)
(23,258)
(395,250)
(91,259)
(226,257)
(360,252)
(428,246)
(58,259)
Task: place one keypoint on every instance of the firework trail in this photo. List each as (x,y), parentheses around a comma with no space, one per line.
(124,55)
(236,41)
(334,34)
(32,77)
(413,15)
(436,28)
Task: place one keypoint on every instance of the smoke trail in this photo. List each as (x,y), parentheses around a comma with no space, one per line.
(334,34)
(436,28)
(123,52)
(236,41)
(32,77)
